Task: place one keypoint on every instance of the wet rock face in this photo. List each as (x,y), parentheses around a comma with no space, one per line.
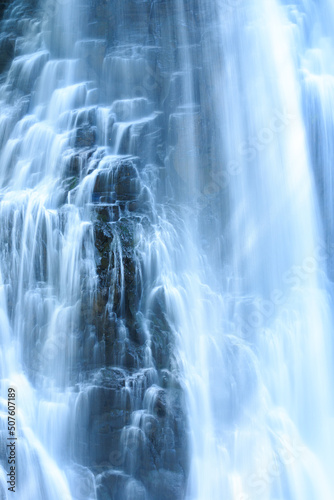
(152,454)
(7,46)
(135,415)
(130,422)
(138,430)
(85,137)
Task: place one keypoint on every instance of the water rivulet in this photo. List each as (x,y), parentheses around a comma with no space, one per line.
(166,242)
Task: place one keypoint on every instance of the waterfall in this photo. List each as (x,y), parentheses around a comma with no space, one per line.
(259,378)
(166,243)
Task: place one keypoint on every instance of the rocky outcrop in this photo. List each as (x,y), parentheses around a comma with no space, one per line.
(147,453)
(138,430)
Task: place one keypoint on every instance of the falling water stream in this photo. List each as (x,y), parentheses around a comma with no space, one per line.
(166,243)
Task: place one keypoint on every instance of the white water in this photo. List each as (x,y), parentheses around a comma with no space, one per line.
(258,355)
(249,304)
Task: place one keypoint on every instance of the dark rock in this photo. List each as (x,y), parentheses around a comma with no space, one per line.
(109,198)
(113,378)
(130,358)
(160,404)
(76,164)
(102,399)
(85,137)
(160,343)
(103,237)
(133,206)
(120,177)
(7,47)
(107,212)
(127,184)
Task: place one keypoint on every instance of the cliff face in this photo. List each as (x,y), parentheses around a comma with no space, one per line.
(126,124)
(134,67)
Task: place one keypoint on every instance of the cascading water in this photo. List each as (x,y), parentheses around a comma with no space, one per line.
(166,249)
(264,348)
